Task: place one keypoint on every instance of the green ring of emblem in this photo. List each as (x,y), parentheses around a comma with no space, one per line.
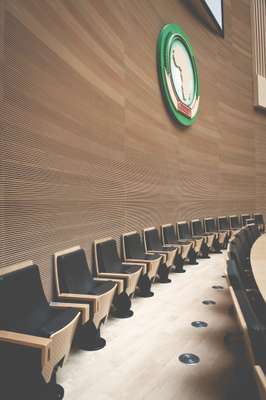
(169,34)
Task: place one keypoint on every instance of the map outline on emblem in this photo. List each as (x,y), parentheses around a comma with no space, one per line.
(178,74)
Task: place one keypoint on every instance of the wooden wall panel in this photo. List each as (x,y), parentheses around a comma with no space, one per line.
(87,146)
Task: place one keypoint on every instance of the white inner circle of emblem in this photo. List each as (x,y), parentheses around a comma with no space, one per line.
(182,73)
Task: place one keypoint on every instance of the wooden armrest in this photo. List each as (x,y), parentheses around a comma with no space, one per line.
(159,251)
(74,296)
(24,339)
(136,261)
(81,297)
(134,264)
(112,275)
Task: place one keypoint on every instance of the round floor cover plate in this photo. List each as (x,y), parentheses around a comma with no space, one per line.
(189,358)
(208,302)
(199,324)
(219,287)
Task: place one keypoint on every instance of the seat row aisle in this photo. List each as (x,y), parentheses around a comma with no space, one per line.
(36,336)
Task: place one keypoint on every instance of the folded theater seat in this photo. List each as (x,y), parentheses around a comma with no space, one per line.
(235,224)
(184,233)
(244,218)
(237,277)
(109,265)
(185,246)
(35,337)
(134,252)
(170,256)
(197,231)
(250,233)
(259,221)
(75,284)
(220,238)
(253,329)
(239,250)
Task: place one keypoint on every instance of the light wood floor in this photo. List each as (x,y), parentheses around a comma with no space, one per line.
(140,360)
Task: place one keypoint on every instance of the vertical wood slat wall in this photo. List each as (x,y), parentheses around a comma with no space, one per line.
(258,24)
(88,149)
(258,16)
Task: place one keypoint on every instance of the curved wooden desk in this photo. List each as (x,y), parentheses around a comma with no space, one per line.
(258,263)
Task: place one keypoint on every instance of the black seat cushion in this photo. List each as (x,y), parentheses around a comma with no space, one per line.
(153,240)
(26,308)
(131,269)
(56,320)
(150,257)
(169,248)
(75,277)
(101,287)
(169,234)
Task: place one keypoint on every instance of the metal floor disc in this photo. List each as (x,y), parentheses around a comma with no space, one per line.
(208,302)
(189,358)
(199,324)
(217,287)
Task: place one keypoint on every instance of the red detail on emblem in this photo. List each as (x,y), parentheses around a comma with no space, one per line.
(184,109)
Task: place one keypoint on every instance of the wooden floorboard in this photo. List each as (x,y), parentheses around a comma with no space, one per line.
(140,360)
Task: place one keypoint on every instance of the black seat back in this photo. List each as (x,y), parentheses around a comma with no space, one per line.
(258,218)
(133,246)
(239,251)
(255,231)
(74,275)
(184,231)
(169,235)
(248,236)
(107,257)
(223,223)
(244,218)
(234,222)
(196,227)
(210,225)
(252,232)
(152,239)
(235,274)
(21,295)
(255,326)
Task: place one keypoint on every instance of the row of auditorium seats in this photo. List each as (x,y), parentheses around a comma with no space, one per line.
(36,336)
(248,303)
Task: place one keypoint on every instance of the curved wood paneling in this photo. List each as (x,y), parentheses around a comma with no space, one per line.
(88,149)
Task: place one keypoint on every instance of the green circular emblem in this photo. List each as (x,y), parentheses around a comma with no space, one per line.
(178,74)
